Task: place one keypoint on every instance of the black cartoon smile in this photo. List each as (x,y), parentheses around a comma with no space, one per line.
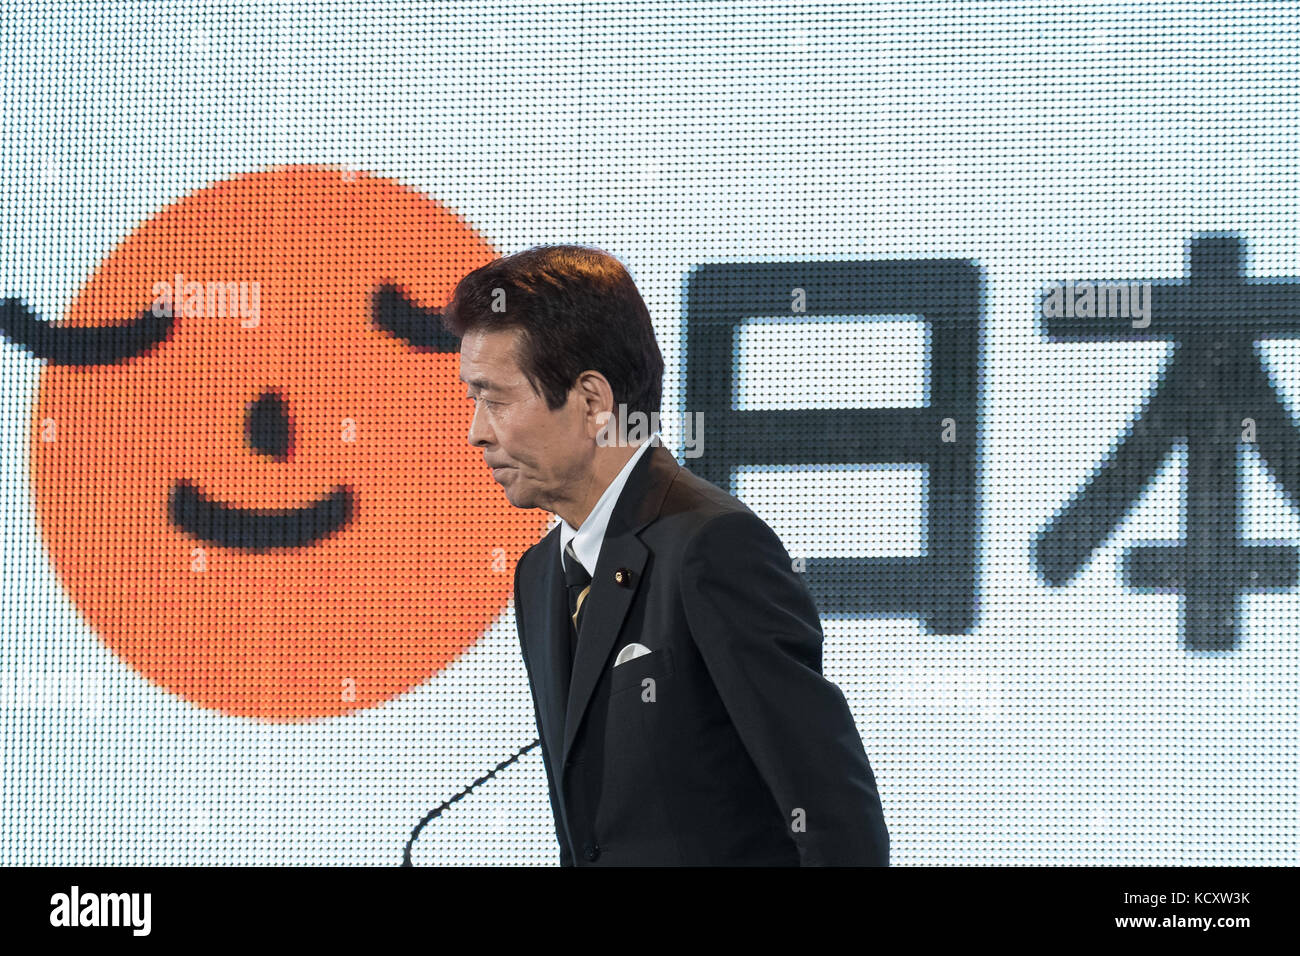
(257,529)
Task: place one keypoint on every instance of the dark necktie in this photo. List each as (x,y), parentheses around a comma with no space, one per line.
(577,582)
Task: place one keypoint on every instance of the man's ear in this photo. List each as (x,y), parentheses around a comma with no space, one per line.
(607,433)
(598,397)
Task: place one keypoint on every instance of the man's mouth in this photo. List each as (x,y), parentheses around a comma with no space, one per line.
(258,529)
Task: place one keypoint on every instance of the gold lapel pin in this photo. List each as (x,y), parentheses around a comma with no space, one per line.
(623,576)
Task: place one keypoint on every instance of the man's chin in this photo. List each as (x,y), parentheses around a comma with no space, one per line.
(517,498)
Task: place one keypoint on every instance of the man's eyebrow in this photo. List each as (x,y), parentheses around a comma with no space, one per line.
(480,383)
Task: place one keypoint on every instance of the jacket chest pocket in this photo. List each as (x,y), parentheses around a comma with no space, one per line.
(630,674)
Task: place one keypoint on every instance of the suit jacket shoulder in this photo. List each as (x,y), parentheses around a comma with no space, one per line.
(691,503)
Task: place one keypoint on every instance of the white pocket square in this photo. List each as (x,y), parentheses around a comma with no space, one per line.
(629,652)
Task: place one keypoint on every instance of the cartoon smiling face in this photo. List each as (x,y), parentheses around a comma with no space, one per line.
(256,485)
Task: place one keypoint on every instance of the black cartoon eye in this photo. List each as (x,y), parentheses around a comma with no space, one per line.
(68,345)
(422,329)
(391,311)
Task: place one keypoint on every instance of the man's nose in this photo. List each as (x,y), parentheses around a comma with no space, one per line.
(479,433)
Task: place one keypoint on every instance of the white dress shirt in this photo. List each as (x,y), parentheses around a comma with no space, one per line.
(588,538)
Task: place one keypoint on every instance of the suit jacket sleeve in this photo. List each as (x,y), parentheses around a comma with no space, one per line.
(758,630)
(566,858)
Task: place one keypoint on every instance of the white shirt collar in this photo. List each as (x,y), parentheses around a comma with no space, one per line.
(588,539)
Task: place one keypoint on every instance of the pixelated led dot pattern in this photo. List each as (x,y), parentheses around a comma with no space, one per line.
(843,219)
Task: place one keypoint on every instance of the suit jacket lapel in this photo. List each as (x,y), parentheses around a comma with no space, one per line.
(637,505)
(541,607)
(547,636)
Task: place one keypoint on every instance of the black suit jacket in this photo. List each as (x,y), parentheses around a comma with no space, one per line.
(725,745)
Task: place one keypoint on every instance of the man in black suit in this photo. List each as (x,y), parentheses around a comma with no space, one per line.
(674,656)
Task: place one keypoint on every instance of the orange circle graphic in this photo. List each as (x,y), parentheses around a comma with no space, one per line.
(272,509)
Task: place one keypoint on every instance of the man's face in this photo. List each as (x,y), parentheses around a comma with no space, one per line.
(537,454)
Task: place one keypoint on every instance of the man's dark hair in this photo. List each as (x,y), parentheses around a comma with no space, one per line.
(577,309)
